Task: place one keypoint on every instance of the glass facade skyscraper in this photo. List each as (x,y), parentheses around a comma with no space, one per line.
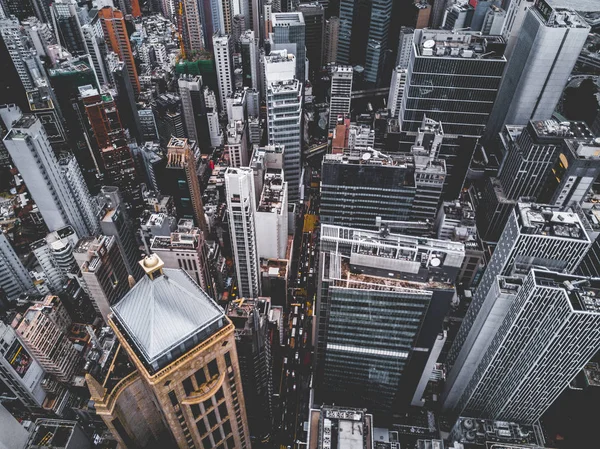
(363,35)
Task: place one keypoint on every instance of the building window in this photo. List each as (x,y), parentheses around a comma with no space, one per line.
(206,443)
(195,410)
(213,368)
(216,435)
(227,427)
(187,386)
(227,359)
(201,427)
(223,411)
(200,377)
(173,398)
(219,395)
(212,419)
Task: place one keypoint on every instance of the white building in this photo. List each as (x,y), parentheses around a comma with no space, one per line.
(397,91)
(284,116)
(272,217)
(55,256)
(535,236)
(241,208)
(223,51)
(539,67)
(237,143)
(551,330)
(341,93)
(28,145)
(236,105)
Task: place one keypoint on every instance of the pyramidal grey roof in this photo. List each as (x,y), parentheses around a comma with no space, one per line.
(160,314)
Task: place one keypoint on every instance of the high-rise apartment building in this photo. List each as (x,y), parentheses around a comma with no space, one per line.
(117,39)
(241,209)
(103,271)
(190,366)
(284,115)
(332,30)
(289,33)
(314,21)
(363,35)
(14,277)
(191,20)
(380,306)
(253,342)
(18,49)
(237,143)
(43,330)
(19,371)
(550,331)
(28,145)
(181,166)
(223,50)
(511,28)
(535,236)
(340,95)
(352,426)
(54,254)
(186,249)
(539,67)
(453,78)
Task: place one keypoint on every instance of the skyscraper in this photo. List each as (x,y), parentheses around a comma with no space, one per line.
(539,67)
(19,371)
(192,370)
(69,18)
(397,88)
(250,67)
(187,249)
(14,277)
(251,320)
(18,49)
(181,165)
(192,27)
(550,331)
(332,29)
(115,33)
(289,33)
(43,330)
(54,254)
(284,116)
(380,306)
(535,236)
(363,35)
(103,270)
(340,95)
(453,78)
(314,21)
(30,150)
(190,91)
(223,50)
(241,209)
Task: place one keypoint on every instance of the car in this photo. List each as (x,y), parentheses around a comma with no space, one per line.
(293,374)
(297,356)
(284,361)
(294,387)
(287,372)
(300,331)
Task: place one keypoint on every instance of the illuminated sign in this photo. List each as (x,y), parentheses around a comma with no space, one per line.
(19,359)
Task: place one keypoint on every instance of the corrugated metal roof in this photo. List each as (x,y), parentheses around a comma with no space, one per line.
(162,313)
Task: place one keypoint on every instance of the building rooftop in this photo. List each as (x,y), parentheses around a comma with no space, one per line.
(544,220)
(272,196)
(554,129)
(583,293)
(334,427)
(462,45)
(284,86)
(592,374)
(287,18)
(54,434)
(559,17)
(479,431)
(161,313)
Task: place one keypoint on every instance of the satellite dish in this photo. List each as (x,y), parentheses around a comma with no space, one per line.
(435,262)
(429,43)
(366,156)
